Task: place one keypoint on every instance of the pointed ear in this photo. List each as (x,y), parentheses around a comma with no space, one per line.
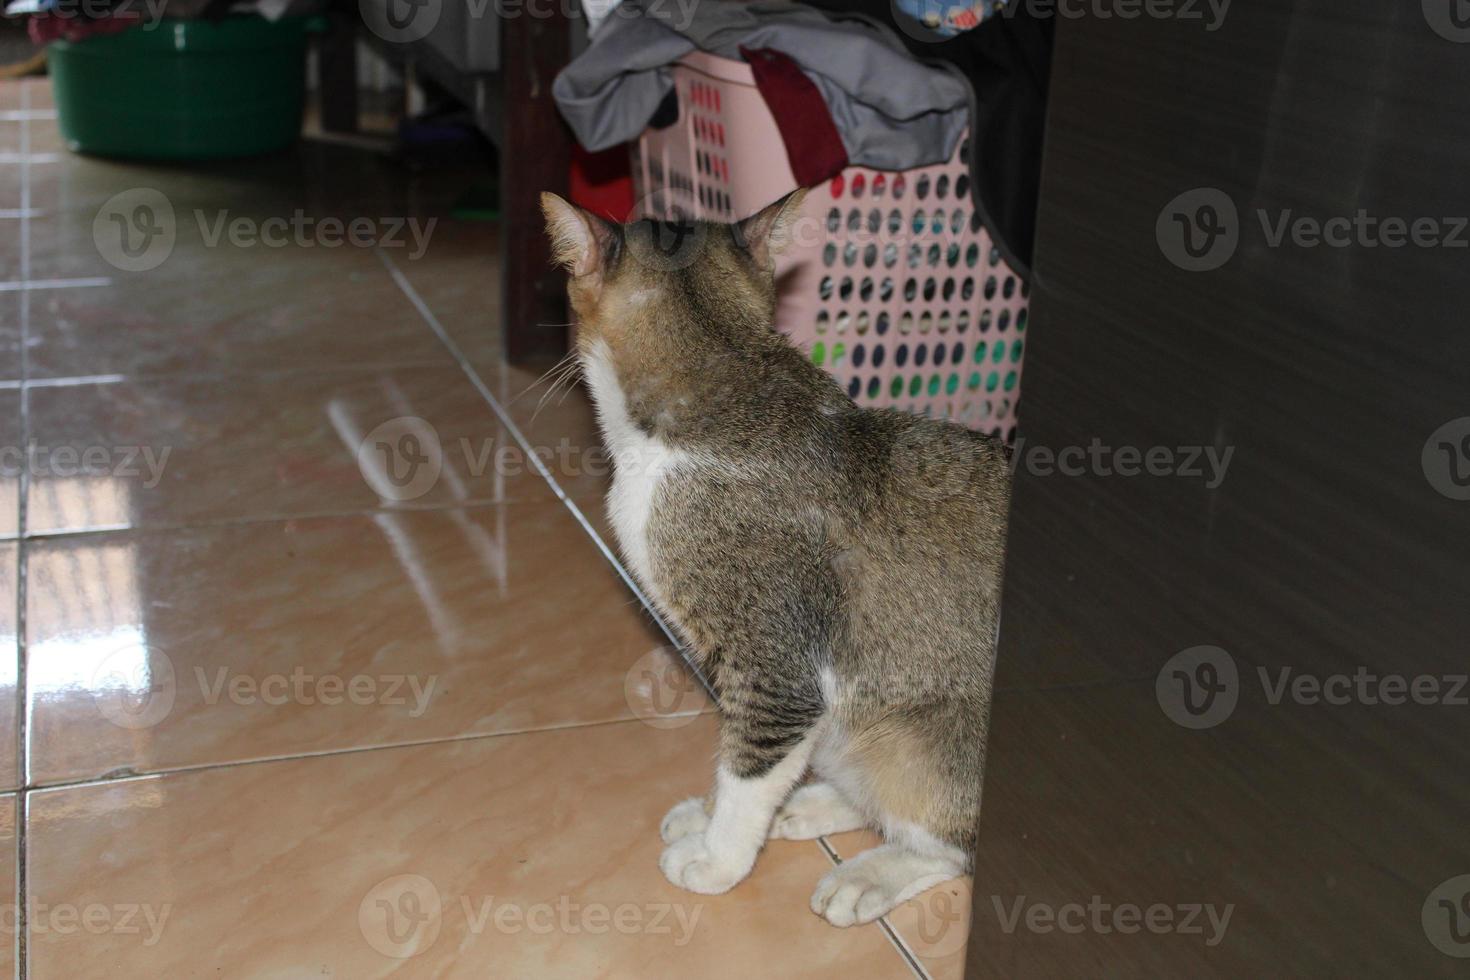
(578,237)
(767,232)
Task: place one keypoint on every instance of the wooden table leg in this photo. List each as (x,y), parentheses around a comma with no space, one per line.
(535,154)
(338,53)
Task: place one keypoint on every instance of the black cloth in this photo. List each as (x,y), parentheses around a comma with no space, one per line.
(1007,61)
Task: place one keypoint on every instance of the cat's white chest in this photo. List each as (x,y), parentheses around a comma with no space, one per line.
(641,466)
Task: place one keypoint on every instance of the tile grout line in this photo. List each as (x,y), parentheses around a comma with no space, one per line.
(133,777)
(535,459)
(22,729)
(267,372)
(206,524)
(904,953)
(25,284)
(433,322)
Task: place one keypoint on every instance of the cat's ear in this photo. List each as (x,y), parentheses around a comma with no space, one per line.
(578,237)
(767,232)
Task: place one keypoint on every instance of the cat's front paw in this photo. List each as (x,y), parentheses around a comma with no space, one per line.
(690,864)
(685,818)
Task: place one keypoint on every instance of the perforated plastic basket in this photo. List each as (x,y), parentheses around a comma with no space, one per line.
(892,284)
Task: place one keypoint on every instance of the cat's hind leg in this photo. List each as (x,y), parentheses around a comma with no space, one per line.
(815,810)
(871,884)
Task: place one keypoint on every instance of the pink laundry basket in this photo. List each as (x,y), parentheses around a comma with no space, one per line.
(892,284)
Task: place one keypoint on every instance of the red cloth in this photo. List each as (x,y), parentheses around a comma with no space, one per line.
(45,28)
(813,144)
(603,182)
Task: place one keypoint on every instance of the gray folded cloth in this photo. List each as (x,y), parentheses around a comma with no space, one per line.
(892,112)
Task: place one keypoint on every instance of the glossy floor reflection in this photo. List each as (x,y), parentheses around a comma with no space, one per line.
(309,670)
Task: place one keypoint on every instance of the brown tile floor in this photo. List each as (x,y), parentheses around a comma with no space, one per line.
(306,696)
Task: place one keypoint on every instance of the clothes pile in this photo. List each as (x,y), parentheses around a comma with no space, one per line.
(859,84)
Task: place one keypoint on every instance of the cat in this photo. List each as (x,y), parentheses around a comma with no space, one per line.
(834,571)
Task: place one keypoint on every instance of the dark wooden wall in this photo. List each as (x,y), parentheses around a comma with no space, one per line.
(1328,547)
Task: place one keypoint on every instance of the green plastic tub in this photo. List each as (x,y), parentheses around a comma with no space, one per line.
(183,90)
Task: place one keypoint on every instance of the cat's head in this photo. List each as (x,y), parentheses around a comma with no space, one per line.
(640,283)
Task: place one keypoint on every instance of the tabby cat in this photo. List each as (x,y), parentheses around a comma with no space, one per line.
(834,571)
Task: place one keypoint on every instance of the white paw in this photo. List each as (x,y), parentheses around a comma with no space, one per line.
(685,818)
(848,896)
(871,884)
(814,811)
(689,863)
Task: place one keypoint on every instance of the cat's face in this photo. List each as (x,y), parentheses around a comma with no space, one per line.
(627,282)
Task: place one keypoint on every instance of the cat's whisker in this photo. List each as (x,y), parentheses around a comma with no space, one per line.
(567,377)
(560,365)
(546,398)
